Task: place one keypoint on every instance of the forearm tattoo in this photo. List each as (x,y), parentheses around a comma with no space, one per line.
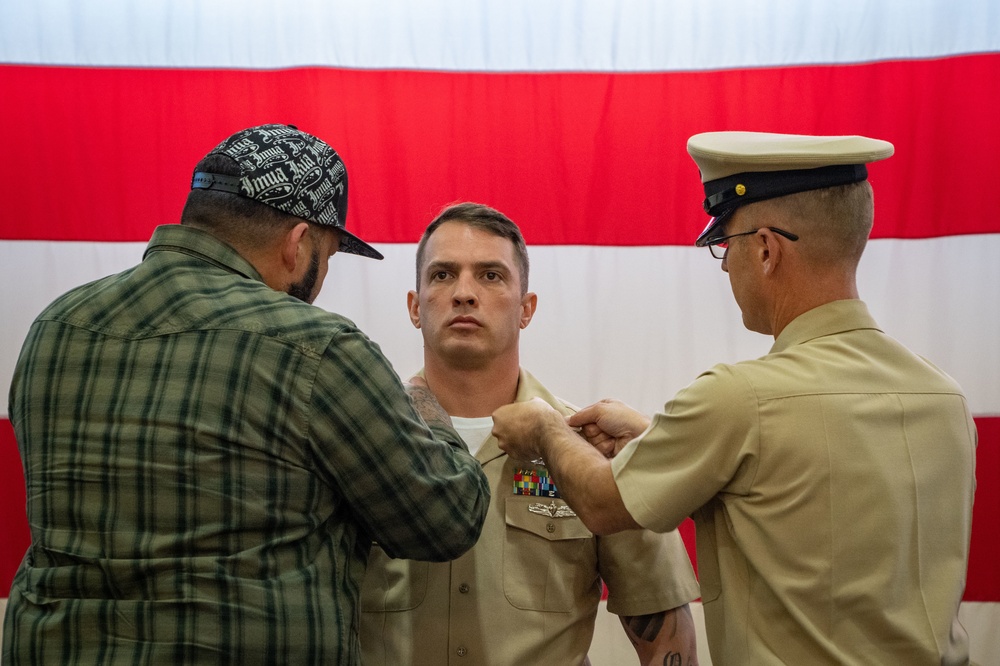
(650,634)
(427,406)
(647,627)
(673,659)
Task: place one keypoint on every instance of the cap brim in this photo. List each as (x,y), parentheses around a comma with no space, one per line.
(351,244)
(713,229)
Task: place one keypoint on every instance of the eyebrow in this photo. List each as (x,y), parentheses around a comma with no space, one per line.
(498,266)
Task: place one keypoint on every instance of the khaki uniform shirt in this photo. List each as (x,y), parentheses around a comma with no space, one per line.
(832,482)
(527,592)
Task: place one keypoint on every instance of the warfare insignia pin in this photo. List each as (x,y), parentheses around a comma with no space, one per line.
(552,510)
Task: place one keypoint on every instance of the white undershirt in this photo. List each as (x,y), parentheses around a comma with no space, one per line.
(473,431)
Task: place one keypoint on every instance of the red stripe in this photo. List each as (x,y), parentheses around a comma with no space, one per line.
(13,520)
(586,158)
(983,582)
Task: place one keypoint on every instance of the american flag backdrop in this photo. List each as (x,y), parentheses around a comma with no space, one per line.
(572,118)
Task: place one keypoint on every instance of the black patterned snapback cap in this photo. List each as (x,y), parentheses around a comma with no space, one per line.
(292,171)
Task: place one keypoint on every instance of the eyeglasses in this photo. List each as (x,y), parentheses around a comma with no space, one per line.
(718,246)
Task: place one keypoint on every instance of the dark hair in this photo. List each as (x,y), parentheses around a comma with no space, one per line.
(483,217)
(240,221)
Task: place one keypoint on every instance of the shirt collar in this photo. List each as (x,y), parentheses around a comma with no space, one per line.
(201,244)
(827,319)
(528,387)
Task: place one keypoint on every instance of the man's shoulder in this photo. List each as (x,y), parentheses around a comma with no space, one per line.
(565,407)
(301,323)
(82,302)
(529,387)
(226,302)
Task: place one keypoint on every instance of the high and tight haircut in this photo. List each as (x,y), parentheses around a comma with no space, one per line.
(833,223)
(240,221)
(490,220)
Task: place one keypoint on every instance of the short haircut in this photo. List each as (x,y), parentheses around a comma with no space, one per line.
(240,221)
(833,223)
(482,217)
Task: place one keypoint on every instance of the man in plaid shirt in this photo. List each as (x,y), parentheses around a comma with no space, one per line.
(208,457)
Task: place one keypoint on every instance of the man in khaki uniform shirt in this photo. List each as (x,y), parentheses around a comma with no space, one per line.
(831,480)
(529,591)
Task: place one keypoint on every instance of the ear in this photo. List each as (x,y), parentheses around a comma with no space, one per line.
(528,303)
(768,250)
(293,248)
(413,306)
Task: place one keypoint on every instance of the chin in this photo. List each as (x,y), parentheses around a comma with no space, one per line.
(466,357)
(756,327)
(749,324)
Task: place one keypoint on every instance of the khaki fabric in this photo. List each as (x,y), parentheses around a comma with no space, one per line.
(527,592)
(831,482)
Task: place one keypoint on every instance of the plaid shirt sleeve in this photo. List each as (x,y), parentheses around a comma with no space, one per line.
(416,491)
(206,462)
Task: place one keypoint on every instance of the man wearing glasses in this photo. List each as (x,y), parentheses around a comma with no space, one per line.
(831,480)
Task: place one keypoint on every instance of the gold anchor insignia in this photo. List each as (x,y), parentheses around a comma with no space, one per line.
(552,510)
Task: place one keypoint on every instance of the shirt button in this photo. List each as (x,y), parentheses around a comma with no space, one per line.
(550,528)
(462,651)
(464,588)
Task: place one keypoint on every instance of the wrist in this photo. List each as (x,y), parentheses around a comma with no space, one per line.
(549,435)
(646,421)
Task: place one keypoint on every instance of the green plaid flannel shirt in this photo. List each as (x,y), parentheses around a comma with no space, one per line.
(207,461)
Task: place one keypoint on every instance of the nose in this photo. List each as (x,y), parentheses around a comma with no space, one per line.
(725,261)
(465,292)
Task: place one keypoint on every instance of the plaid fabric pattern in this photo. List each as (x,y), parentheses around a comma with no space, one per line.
(207,462)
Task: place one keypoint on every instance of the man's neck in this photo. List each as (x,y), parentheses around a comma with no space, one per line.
(472,392)
(818,291)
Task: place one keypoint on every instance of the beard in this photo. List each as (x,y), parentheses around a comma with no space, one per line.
(303,289)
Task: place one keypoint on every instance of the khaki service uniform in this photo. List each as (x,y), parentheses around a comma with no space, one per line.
(528,591)
(831,482)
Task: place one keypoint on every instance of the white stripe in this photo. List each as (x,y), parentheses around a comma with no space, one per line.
(636,323)
(490,35)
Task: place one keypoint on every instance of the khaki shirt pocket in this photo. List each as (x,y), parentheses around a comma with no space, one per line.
(549,561)
(392,584)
